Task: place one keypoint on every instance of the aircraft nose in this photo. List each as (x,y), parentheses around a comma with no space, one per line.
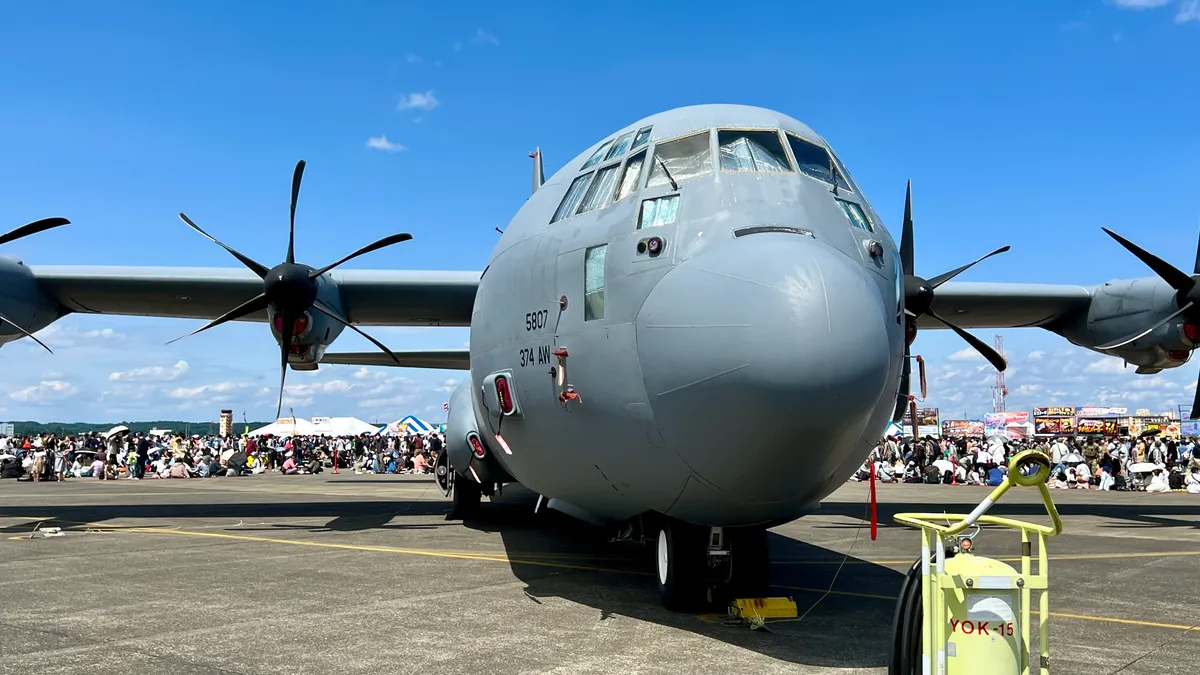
(765,365)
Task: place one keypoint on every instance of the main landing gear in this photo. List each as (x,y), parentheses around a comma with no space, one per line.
(465,493)
(697,566)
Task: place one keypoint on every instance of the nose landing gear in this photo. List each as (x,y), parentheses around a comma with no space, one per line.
(699,566)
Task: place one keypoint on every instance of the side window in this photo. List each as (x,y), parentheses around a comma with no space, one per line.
(593,283)
(619,146)
(632,176)
(658,212)
(596,156)
(752,151)
(814,161)
(643,137)
(601,190)
(684,158)
(571,200)
(856,216)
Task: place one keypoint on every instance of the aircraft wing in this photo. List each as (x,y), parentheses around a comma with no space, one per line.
(1002,305)
(370,297)
(451,359)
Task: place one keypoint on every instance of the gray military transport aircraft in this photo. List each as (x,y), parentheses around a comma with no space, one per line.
(701,273)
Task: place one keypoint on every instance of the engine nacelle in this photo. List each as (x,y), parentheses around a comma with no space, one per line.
(472,455)
(21,301)
(313,331)
(1123,308)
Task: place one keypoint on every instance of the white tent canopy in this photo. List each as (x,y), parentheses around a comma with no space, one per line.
(319,426)
(286,426)
(342,426)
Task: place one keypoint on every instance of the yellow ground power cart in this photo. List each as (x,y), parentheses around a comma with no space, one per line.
(963,614)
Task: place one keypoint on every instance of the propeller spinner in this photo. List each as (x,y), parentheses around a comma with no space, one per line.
(919,292)
(1187,296)
(24,231)
(290,288)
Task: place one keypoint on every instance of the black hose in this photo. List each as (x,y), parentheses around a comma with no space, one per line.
(906,626)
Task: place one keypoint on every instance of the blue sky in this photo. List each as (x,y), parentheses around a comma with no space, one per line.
(1031,124)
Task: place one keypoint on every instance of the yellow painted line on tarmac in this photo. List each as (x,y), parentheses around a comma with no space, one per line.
(588,568)
(909,561)
(385,549)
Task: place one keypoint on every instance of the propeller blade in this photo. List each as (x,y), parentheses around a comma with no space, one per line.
(33,228)
(329,312)
(1196,268)
(1195,414)
(1169,273)
(296,176)
(943,278)
(906,236)
(248,262)
(255,304)
(5,319)
(386,241)
(1149,330)
(285,344)
(980,346)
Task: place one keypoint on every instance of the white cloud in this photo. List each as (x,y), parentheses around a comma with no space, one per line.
(418,101)
(458,45)
(1189,10)
(209,391)
(1035,355)
(413,58)
(965,354)
(150,373)
(46,391)
(1141,4)
(382,143)
(482,37)
(1106,364)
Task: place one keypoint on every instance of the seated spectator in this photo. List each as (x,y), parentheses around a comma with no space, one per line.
(1158,482)
(1193,481)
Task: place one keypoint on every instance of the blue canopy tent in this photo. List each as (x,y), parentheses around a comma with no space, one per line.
(409,424)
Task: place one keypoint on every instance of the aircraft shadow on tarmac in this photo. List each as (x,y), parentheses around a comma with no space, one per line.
(346,516)
(556,556)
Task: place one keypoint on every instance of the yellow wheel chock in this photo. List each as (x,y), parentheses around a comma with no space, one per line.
(973,612)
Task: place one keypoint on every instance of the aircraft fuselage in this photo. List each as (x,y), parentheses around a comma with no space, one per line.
(731,333)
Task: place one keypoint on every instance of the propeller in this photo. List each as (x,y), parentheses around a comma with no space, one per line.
(919,292)
(1187,296)
(24,231)
(290,288)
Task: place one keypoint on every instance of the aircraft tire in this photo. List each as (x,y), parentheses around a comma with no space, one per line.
(679,562)
(465,499)
(750,554)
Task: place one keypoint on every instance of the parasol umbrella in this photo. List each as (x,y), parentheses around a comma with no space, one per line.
(1143,467)
(1073,458)
(943,465)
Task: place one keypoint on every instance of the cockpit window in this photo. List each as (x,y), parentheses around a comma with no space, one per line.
(643,136)
(752,151)
(633,174)
(619,146)
(856,216)
(596,156)
(601,190)
(684,158)
(571,200)
(814,161)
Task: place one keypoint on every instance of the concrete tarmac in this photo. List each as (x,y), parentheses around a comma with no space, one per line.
(364,574)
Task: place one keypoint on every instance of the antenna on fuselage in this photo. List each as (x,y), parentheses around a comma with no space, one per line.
(674,185)
(539,178)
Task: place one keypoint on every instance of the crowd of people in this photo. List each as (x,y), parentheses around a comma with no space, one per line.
(1149,463)
(138,456)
